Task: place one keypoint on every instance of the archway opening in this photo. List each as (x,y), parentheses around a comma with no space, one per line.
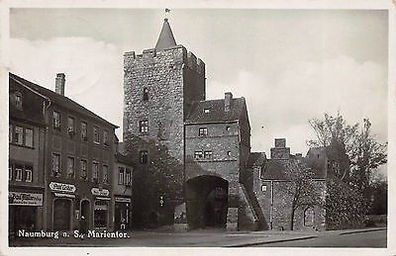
(207,202)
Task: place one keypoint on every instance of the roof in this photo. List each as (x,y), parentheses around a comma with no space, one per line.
(274,169)
(60,99)
(216,111)
(256,159)
(166,38)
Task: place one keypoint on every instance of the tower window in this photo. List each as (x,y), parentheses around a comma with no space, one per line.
(203,131)
(143,157)
(143,126)
(145,94)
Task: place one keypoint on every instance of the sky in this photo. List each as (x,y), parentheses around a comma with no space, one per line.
(290,65)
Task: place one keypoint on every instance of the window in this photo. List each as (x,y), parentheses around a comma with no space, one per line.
(56,120)
(18,172)
(105,176)
(18,100)
(84,136)
(96,135)
(70,167)
(18,135)
(106,138)
(208,154)
(28,137)
(143,157)
(143,126)
(70,125)
(83,166)
(28,173)
(203,131)
(206,110)
(56,164)
(95,171)
(263,188)
(145,94)
(121,171)
(228,128)
(10,172)
(128,179)
(198,154)
(228,153)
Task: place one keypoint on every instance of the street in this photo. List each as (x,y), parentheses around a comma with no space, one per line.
(375,238)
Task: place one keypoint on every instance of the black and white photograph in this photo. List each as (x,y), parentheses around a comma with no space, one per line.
(166,126)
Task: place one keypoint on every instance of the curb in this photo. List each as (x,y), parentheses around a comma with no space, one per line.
(362,231)
(271,241)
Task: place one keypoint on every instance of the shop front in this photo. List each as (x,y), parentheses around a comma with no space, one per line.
(25,211)
(101,208)
(63,199)
(122,213)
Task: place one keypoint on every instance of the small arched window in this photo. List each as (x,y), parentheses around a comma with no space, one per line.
(145,94)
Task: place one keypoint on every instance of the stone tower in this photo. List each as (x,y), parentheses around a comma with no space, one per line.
(159,87)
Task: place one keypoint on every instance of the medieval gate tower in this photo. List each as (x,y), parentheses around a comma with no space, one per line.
(161,87)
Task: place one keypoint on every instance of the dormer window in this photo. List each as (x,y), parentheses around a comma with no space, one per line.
(18,100)
(145,94)
(206,110)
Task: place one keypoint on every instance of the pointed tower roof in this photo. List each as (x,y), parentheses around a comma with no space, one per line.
(165,39)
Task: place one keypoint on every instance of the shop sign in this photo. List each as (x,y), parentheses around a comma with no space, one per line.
(122,200)
(100,192)
(64,195)
(103,198)
(27,199)
(68,188)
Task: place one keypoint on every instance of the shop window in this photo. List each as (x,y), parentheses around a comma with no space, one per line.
(143,157)
(121,172)
(105,176)
(70,167)
(56,120)
(95,171)
(208,154)
(143,126)
(145,94)
(106,138)
(56,165)
(83,169)
(100,214)
(70,126)
(96,135)
(203,131)
(198,154)
(84,136)
(28,173)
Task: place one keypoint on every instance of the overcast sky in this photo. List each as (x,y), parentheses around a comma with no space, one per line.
(290,65)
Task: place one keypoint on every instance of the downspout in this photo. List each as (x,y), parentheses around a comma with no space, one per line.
(45,203)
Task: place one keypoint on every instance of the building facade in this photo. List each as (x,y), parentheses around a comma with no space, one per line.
(78,159)
(26,157)
(164,90)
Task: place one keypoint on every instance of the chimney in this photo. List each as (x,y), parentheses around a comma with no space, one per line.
(227,101)
(60,84)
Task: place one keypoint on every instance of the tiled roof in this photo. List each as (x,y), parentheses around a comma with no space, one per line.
(166,38)
(215,111)
(256,159)
(60,99)
(274,169)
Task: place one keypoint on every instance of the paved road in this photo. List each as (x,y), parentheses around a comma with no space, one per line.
(376,239)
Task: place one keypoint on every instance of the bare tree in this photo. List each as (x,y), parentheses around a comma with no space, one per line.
(304,190)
